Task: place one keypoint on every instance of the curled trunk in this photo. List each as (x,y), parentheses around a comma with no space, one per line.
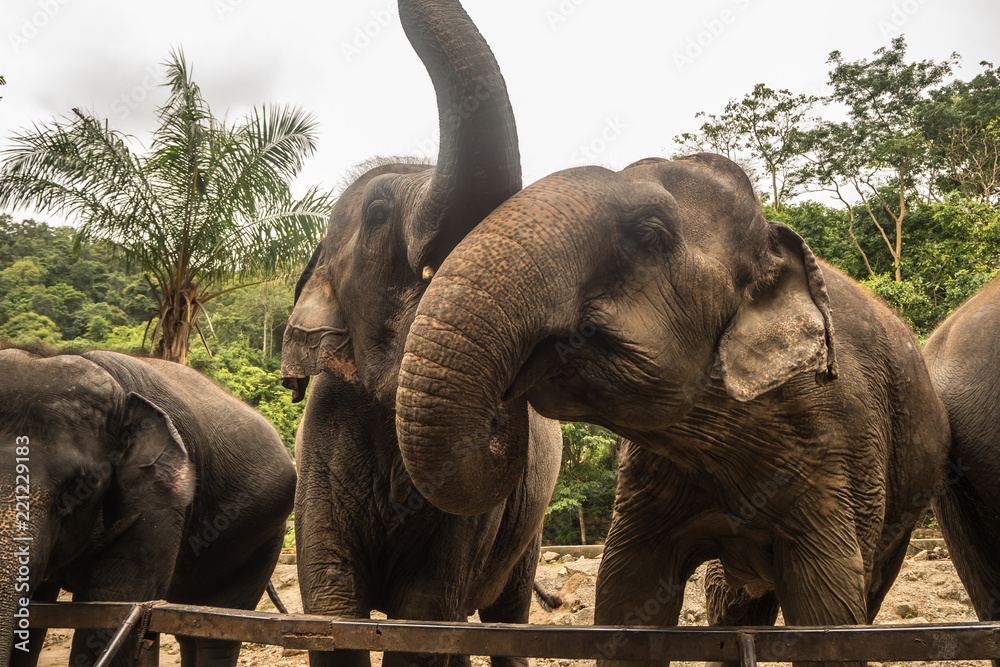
(472,335)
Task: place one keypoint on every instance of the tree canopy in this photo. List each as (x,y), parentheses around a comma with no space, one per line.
(208,205)
(914,165)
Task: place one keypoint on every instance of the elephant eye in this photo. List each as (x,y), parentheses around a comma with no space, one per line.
(377,212)
(650,233)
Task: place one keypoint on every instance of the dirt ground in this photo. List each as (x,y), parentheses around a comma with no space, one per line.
(926,591)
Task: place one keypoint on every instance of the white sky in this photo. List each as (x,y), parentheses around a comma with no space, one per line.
(591,81)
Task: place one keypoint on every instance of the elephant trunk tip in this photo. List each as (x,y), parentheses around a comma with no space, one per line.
(469,461)
(297,385)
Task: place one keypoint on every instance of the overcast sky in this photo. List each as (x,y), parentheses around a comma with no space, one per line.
(591,81)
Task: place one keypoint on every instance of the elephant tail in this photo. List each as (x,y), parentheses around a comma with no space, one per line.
(273,594)
(550,601)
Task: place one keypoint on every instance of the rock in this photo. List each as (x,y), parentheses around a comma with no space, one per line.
(288,652)
(563,619)
(957,594)
(549,556)
(905,611)
(583,617)
(562,572)
(566,558)
(692,615)
(922,555)
(939,553)
(938,579)
(587,566)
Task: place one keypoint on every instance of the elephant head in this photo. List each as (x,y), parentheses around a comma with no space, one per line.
(616,298)
(393,226)
(83,456)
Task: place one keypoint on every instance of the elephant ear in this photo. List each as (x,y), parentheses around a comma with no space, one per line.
(154,471)
(781,329)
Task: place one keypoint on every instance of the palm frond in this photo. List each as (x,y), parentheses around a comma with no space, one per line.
(276,240)
(208,204)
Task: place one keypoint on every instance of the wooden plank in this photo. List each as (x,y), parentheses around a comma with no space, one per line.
(951,641)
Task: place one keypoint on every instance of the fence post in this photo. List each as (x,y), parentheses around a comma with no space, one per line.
(748,652)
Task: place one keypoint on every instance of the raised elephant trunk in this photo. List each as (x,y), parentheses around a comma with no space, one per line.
(478,165)
(478,168)
(468,343)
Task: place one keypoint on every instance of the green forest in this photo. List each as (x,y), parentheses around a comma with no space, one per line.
(902,193)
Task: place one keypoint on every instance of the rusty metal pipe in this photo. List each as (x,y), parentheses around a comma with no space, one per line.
(748,652)
(111,650)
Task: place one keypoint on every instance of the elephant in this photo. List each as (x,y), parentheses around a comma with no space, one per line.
(366,539)
(962,355)
(660,303)
(144,481)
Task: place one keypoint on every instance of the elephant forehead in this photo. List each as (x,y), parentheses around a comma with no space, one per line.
(64,390)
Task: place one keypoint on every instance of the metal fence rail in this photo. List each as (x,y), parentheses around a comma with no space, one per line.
(933,641)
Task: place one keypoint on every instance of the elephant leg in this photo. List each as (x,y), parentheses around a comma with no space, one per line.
(514,603)
(650,551)
(885,568)
(198,652)
(821,581)
(331,588)
(137,567)
(727,606)
(242,588)
(971,527)
(434,595)
(639,583)
(45,593)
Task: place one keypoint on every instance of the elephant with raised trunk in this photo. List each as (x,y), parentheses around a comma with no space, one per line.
(783,419)
(963,355)
(366,539)
(144,481)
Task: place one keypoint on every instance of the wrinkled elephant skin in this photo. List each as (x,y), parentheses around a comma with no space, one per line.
(963,355)
(782,418)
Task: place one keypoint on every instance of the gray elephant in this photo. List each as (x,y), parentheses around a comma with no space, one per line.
(143,481)
(963,355)
(659,302)
(366,539)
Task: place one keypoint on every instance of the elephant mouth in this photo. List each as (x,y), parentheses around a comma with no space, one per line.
(308,352)
(297,385)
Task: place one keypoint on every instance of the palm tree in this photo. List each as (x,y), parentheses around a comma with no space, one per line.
(206,211)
